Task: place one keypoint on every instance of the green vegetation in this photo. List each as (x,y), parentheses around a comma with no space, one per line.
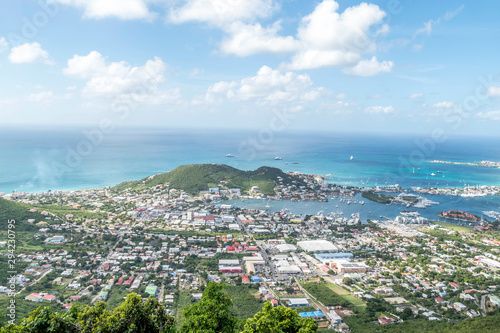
(365,323)
(454,227)
(61,211)
(245,303)
(198,177)
(213,313)
(325,295)
(279,319)
(19,212)
(377,197)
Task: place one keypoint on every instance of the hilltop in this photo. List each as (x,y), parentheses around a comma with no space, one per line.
(194,178)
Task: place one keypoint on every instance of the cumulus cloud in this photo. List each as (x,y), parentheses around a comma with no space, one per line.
(330,38)
(221,12)
(120,79)
(370,67)
(248,39)
(324,38)
(29,53)
(490,115)
(267,87)
(494,91)
(380,109)
(99,9)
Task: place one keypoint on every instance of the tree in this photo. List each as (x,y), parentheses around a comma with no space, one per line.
(211,314)
(279,320)
(348,281)
(136,315)
(407,313)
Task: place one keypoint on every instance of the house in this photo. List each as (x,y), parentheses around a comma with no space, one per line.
(439,300)
(34,297)
(49,298)
(386,320)
(152,290)
(197,296)
(459,306)
(274,302)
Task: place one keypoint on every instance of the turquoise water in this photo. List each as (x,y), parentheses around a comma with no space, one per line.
(373,210)
(33,160)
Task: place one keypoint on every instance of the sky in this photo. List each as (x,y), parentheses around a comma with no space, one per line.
(399,66)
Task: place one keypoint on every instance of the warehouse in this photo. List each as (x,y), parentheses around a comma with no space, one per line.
(319,245)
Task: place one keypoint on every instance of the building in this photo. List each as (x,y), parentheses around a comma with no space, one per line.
(152,291)
(293,302)
(34,297)
(319,245)
(325,257)
(230,269)
(348,267)
(286,248)
(459,306)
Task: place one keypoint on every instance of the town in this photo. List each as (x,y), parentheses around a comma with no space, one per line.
(346,274)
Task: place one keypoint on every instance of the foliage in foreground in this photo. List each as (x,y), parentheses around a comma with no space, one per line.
(213,313)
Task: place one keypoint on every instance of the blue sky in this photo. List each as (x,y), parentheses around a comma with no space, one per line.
(378,66)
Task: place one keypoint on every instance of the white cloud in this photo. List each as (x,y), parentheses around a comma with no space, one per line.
(221,12)
(494,91)
(248,39)
(99,9)
(427,27)
(329,38)
(370,67)
(416,95)
(324,38)
(120,79)
(380,109)
(267,87)
(444,105)
(490,115)
(29,53)
(341,96)
(4,45)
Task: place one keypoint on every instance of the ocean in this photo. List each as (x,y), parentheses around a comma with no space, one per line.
(33,160)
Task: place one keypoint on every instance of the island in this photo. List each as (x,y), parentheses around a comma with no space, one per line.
(169,244)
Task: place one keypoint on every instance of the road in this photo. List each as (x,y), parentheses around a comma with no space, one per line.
(483,305)
(36,281)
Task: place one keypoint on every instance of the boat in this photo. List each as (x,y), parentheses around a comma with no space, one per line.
(277,158)
(352,157)
(229,155)
(433,174)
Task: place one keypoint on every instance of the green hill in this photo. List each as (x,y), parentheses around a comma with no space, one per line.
(200,177)
(19,212)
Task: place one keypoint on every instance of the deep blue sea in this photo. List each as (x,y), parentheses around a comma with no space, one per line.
(35,160)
